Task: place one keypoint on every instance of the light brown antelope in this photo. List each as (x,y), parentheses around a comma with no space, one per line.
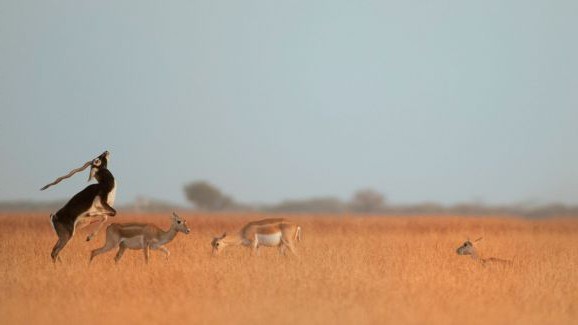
(268,232)
(468,248)
(140,236)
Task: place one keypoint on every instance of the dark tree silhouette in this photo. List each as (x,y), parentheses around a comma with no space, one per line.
(207,196)
(367,201)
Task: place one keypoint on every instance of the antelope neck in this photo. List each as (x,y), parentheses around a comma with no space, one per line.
(236,239)
(167,236)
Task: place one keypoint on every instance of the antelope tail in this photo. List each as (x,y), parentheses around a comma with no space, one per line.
(72,172)
(298,234)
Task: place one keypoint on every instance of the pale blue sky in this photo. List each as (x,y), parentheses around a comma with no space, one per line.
(444,101)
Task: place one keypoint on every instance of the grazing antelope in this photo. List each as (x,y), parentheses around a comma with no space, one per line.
(91,205)
(468,249)
(268,232)
(140,236)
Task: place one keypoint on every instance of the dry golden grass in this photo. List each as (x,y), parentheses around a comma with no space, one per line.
(350,271)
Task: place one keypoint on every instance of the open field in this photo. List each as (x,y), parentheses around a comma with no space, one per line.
(351,270)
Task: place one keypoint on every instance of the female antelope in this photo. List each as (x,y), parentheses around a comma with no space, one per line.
(140,236)
(468,249)
(268,232)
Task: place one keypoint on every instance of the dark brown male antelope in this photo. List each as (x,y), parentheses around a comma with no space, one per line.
(91,205)
(468,248)
(140,236)
(268,232)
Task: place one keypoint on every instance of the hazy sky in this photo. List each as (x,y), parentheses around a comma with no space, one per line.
(444,101)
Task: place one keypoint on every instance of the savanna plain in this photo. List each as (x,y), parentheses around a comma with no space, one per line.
(350,270)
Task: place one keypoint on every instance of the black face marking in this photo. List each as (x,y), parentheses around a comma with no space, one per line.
(104,159)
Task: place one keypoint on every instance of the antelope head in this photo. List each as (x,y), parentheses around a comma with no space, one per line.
(97,163)
(467,248)
(180,224)
(218,244)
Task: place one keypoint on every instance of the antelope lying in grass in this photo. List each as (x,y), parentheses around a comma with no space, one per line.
(268,232)
(468,249)
(140,236)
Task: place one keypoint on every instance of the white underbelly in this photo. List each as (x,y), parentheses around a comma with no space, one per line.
(97,203)
(136,242)
(269,239)
(96,206)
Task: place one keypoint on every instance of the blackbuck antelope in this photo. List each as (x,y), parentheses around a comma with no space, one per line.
(468,248)
(140,236)
(91,205)
(268,232)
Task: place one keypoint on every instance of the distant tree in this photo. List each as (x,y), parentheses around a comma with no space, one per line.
(313,205)
(206,196)
(367,201)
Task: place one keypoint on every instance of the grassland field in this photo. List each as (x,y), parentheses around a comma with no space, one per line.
(350,270)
